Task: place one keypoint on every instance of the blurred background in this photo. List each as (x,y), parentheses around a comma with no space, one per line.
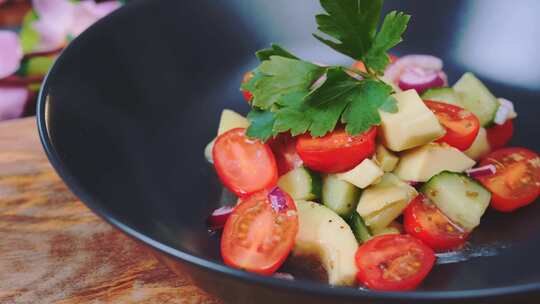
(495,39)
(32,35)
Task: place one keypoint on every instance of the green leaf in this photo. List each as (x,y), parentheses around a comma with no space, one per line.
(261,124)
(291,119)
(28,36)
(281,77)
(362,112)
(250,85)
(337,85)
(393,27)
(390,105)
(351,23)
(274,50)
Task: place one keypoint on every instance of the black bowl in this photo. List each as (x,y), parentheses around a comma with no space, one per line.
(127,109)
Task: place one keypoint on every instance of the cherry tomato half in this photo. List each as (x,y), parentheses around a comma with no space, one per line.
(517,180)
(336,151)
(247,94)
(284,148)
(461,126)
(499,135)
(244,165)
(258,236)
(393,262)
(424,221)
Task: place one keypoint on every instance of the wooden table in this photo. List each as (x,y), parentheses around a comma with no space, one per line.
(55,250)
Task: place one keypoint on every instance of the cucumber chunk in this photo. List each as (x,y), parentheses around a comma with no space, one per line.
(301,184)
(446,95)
(338,195)
(459,197)
(477,98)
(359,228)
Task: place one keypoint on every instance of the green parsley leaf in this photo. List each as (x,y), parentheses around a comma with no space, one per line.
(394,25)
(274,50)
(289,94)
(261,124)
(281,77)
(356,102)
(390,105)
(352,23)
(363,110)
(250,85)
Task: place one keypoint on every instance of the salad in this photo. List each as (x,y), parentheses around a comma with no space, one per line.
(371,168)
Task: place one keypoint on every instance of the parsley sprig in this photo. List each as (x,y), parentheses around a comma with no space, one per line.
(297,96)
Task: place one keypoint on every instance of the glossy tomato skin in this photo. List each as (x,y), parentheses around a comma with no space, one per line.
(336,151)
(500,135)
(284,149)
(244,165)
(393,262)
(517,181)
(424,221)
(461,126)
(258,237)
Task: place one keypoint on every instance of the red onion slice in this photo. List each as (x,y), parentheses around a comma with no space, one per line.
(420,80)
(414,184)
(278,199)
(425,62)
(502,115)
(219,217)
(283,276)
(482,171)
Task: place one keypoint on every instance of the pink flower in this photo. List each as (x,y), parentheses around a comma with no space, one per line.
(11,53)
(59,19)
(55,19)
(88,12)
(12,102)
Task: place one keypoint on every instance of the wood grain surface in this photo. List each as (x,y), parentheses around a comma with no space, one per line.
(54,250)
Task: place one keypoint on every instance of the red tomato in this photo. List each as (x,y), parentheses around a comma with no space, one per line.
(393,262)
(424,221)
(499,135)
(247,95)
(359,65)
(284,148)
(517,180)
(461,126)
(244,165)
(337,151)
(258,236)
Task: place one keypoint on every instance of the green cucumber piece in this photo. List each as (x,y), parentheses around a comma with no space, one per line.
(459,197)
(301,184)
(340,196)
(359,228)
(476,98)
(446,95)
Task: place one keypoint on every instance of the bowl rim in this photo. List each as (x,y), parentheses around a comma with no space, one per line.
(298,286)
